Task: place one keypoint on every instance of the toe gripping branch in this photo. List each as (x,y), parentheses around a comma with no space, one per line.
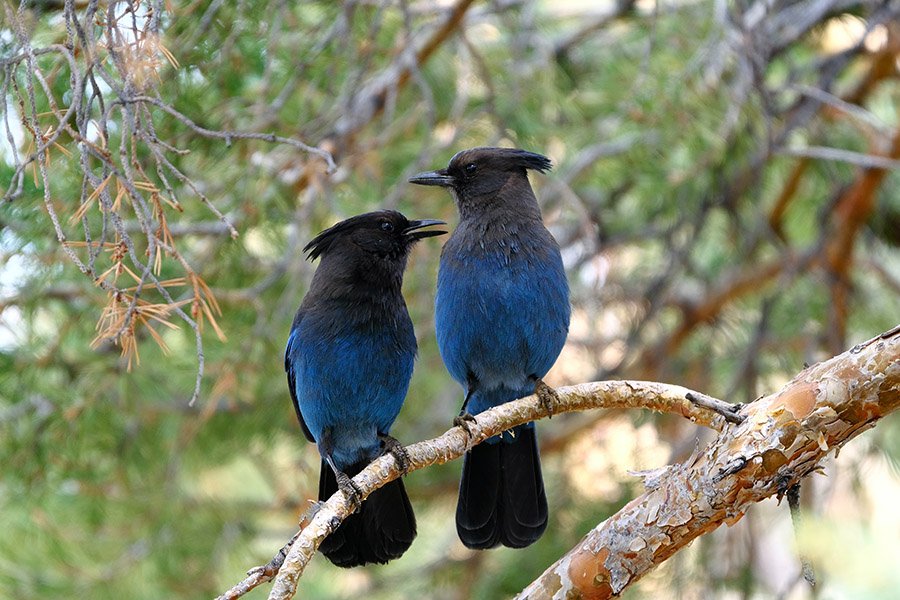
(463,420)
(548,397)
(393,447)
(350,490)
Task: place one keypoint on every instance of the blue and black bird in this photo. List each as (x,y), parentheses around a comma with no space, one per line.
(349,359)
(502,316)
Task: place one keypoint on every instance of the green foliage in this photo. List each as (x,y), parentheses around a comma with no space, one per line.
(113,486)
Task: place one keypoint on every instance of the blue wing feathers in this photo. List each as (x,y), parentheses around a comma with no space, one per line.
(349,379)
(292,383)
(502,317)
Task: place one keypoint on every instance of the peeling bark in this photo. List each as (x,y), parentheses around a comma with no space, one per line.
(780,439)
(784,437)
(454,443)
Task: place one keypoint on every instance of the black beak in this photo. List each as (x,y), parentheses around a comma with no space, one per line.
(413,233)
(439,178)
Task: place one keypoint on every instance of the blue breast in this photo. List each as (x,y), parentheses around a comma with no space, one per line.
(351,378)
(501,315)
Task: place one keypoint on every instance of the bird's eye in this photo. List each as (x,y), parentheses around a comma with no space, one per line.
(387,226)
(470,168)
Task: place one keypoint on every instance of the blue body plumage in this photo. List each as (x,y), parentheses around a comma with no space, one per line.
(349,359)
(502,315)
(350,378)
(501,311)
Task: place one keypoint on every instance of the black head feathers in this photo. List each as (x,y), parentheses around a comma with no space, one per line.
(470,168)
(383,233)
(489,179)
(322,243)
(500,159)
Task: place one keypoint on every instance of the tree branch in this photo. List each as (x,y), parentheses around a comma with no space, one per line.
(783,438)
(454,443)
(763,449)
(371,100)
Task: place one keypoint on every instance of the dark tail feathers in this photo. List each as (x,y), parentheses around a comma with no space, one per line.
(382,530)
(501,494)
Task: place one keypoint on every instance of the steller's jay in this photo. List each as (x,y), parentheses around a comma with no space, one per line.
(501,315)
(349,359)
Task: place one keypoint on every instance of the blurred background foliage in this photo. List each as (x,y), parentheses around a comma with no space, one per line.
(725,191)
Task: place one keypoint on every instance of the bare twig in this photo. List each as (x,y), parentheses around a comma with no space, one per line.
(372,99)
(229,136)
(793,498)
(729,412)
(869,161)
(260,575)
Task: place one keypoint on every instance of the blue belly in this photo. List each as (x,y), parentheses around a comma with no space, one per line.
(502,320)
(351,381)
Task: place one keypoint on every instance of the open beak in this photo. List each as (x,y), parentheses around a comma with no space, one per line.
(414,231)
(439,178)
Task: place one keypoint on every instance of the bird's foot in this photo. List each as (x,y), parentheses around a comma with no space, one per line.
(351,491)
(547,396)
(463,421)
(396,449)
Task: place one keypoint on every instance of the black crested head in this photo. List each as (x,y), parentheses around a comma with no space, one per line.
(383,233)
(476,176)
(477,163)
(472,162)
(499,159)
(481,171)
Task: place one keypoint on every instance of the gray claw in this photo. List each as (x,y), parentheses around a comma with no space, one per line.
(463,421)
(351,491)
(547,396)
(396,449)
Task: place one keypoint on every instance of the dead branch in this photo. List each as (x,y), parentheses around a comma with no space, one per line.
(851,212)
(779,440)
(372,99)
(784,437)
(114,63)
(454,443)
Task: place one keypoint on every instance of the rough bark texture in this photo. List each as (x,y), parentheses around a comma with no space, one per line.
(783,438)
(779,439)
(454,443)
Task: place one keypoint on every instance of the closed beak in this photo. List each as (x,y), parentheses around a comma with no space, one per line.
(439,178)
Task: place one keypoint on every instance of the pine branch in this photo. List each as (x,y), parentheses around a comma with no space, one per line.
(454,443)
(780,439)
(784,437)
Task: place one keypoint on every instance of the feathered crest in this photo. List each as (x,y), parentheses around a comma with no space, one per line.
(504,158)
(526,159)
(322,242)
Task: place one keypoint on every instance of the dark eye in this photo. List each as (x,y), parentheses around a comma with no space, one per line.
(470,168)
(387,226)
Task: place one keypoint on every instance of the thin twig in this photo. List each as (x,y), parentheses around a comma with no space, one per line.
(793,498)
(870,161)
(728,411)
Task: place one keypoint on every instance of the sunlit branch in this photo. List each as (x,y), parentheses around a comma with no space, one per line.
(784,437)
(454,443)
